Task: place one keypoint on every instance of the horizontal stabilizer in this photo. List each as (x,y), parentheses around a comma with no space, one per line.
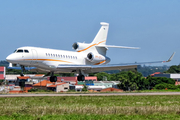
(113,46)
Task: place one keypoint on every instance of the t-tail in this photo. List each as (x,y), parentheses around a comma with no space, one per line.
(98,46)
(101,37)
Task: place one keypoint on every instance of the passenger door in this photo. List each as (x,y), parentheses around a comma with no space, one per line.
(34,57)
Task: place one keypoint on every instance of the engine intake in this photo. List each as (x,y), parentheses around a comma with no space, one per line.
(80,46)
(75,46)
(95,57)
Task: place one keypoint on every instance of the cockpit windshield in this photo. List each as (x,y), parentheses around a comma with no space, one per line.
(21,51)
(26,51)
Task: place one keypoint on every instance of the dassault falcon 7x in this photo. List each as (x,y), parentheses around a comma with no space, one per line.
(87,58)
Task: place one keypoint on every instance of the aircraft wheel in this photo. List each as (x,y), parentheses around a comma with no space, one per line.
(81,78)
(53,78)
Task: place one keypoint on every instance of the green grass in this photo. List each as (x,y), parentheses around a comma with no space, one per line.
(90,117)
(91,107)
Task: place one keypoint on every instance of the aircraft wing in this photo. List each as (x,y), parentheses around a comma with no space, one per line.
(98,68)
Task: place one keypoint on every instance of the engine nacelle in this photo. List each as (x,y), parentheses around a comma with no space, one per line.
(96,58)
(80,46)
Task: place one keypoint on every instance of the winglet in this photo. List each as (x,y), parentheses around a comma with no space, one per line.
(171,57)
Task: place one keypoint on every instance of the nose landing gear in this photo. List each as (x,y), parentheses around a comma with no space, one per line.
(22,70)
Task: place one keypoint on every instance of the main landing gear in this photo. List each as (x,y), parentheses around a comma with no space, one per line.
(80,77)
(53,78)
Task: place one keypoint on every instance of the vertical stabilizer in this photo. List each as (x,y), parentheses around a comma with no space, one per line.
(101,36)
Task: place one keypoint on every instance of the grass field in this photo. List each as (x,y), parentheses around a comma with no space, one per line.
(90,107)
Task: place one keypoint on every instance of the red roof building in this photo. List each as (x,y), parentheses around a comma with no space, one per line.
(42,83)
(23,77)
(156,73)
(2,73)
(56,85)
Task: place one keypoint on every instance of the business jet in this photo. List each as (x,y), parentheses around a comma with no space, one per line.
(87,58)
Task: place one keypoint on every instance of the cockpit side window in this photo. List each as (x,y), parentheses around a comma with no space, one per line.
(19,51)
(15,51)
(26,51)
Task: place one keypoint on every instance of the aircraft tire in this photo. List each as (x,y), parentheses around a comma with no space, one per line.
(81,78)
(53,78)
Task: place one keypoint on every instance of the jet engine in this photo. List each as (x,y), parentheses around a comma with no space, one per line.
(97,58)
(80,46)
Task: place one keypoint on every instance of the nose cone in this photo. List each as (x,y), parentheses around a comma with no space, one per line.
(9,58)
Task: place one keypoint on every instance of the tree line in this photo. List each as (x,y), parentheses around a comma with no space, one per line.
(133,80)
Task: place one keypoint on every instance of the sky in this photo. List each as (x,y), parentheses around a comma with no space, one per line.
(152,25)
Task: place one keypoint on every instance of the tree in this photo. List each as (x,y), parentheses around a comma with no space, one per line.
(173,69)
(153,81)
(127,81)
(1,82)
(85,88)
(102,75)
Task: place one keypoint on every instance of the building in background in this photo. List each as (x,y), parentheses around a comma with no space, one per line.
(73,80)
(2,73)
(59,87)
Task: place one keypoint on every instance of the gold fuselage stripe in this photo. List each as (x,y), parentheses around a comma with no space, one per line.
(61,61)
(49,60)
(100,62)
(91,46)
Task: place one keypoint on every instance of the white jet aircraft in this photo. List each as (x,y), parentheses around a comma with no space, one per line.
(87,58)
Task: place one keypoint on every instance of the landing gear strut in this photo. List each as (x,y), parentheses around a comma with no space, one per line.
(53,78)
(22,70)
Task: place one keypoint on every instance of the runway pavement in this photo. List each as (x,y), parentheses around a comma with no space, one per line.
(89,94)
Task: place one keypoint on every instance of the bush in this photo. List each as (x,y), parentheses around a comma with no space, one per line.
(160,86)
(38,90)
(85,88)
(172,87)
(178,86)
(165,85)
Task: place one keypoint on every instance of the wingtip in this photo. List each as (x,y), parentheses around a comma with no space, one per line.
(171,57)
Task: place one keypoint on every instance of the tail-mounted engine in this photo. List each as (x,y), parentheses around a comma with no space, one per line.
(97,58)
(80,46)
